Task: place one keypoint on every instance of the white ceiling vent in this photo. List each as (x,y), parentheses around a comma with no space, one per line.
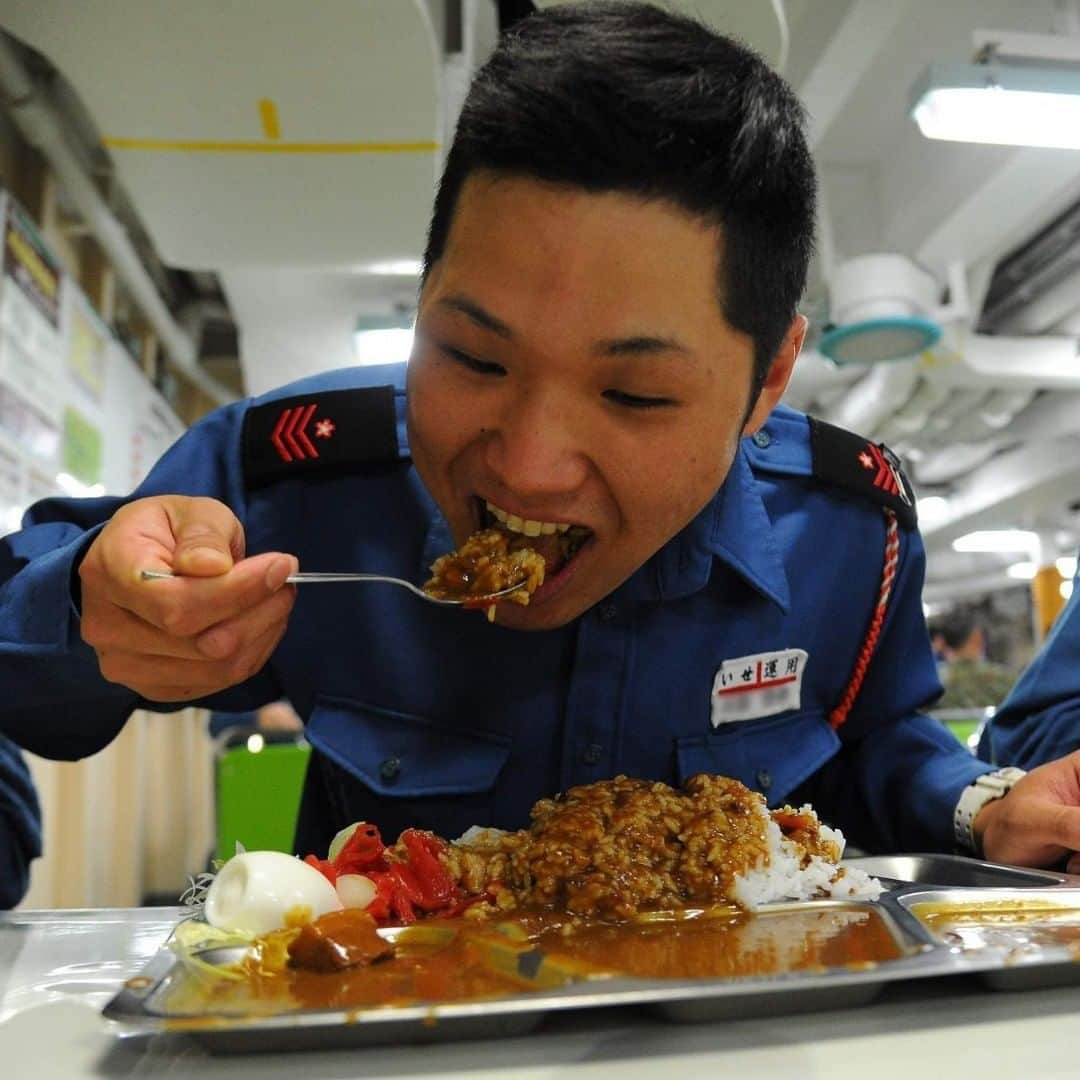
(885,307)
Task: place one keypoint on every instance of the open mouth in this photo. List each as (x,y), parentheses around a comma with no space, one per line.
(506,558)
(557,542)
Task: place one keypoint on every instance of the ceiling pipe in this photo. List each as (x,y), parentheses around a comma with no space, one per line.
(870,402)
(949,464)
(1047,416)
(1039,363)
(912,418)
(999,409)
(813,376)
(1021,484)
(989,419)
(44,130)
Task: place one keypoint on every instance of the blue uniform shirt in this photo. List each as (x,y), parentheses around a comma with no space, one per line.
(1040,719)
(20,825)
(438,719)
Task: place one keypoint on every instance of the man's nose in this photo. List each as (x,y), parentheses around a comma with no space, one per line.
(537,446)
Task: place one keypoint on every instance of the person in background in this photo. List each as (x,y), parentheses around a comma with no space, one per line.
(20,825)
(1040,719)
(607,322)
(937,645)
(971,680)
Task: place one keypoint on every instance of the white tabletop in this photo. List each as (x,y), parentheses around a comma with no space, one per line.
(57,969)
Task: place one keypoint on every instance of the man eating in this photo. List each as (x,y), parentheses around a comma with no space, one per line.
(607,322)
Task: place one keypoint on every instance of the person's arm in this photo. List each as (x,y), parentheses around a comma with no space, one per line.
(84,641)
(1039,720)
(20,825)
(899,774)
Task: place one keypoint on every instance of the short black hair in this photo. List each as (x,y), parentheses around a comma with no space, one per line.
(626,97)
(957,626)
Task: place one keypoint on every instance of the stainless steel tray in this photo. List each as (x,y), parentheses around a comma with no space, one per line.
(142,1007)
(1034,941)
(956,871)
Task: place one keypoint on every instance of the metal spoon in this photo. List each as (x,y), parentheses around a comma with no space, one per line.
(328,578)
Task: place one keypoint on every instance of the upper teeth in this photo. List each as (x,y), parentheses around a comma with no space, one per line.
(526,525)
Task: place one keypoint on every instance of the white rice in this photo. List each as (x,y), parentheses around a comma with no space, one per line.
(783,878)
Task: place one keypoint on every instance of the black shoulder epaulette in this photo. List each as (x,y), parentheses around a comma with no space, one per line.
(848,460)
(296,436)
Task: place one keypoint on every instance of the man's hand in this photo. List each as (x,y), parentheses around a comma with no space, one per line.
(215,625)
(1038,822)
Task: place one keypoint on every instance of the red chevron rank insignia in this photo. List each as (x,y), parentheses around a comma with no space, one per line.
(886,476)
(290,436)
(853,462)
(342,428)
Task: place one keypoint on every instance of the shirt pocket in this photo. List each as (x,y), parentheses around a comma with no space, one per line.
(773,756)
(399,770)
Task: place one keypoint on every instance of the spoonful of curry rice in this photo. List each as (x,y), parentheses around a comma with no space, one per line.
(490,562)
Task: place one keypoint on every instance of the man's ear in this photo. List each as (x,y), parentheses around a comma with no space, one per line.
(779,373)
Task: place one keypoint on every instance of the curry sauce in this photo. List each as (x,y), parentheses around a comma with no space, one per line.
(1013,924)
(451,960)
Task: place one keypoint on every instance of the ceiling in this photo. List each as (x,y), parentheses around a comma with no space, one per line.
(288,154)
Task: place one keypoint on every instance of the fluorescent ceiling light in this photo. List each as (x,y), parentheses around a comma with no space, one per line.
(394,268)
(390,346)
(1006,103)
(383,339)
(1025,571)
(1002,540)
(1021,571)
(933,509)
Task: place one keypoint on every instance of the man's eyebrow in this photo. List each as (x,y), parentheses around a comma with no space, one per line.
(471,310)
(636,345)
(640,345)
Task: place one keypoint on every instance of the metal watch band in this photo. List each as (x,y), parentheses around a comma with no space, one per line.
(984,789)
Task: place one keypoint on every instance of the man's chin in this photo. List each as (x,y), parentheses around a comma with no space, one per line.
(538,616)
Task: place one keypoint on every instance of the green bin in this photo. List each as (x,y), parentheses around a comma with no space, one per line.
(258,796)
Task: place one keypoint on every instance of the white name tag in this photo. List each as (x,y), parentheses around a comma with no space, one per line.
(750,687)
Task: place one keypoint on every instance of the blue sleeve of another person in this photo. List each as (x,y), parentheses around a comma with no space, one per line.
(1040,719)
(20,825)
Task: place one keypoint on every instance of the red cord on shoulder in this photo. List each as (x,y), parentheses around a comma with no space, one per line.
(866,653)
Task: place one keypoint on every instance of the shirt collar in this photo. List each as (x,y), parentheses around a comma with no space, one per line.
(439,540)
(736,529)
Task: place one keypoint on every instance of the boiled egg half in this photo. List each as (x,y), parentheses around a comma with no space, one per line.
(254,891)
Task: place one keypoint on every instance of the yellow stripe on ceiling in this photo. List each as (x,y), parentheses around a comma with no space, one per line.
(214,146)
(268,115)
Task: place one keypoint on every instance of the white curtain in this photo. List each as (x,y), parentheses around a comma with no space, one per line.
(135,819)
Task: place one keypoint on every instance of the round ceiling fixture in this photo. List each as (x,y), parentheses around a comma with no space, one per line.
(883,307)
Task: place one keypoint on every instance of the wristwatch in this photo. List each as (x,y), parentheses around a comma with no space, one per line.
(984,789)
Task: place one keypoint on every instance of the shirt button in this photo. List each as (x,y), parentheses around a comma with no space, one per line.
(762,438)
(764,779)
(592,754)
(607,612)
(390,768)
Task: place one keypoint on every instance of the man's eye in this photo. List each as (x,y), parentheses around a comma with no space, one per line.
(481,367)
(635,401)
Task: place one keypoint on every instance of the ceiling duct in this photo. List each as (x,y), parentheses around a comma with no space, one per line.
(1047,266)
